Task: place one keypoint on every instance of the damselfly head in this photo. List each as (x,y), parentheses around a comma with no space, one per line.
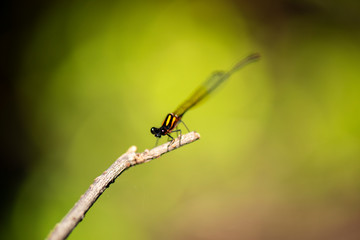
(156,132)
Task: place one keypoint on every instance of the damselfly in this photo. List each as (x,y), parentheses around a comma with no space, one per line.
(173,119)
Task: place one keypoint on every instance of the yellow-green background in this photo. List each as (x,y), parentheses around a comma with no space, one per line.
(279,155)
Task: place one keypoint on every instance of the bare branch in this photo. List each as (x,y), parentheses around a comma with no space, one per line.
(130,158)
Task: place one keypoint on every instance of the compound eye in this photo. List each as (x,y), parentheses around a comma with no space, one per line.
(153,130)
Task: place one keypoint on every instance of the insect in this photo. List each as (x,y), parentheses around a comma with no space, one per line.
(173,119)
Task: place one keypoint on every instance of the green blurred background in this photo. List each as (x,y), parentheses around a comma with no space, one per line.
(82,81)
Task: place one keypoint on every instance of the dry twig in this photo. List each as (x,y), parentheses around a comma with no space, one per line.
(130,158)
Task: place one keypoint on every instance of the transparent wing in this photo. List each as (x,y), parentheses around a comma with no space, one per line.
(211,84)
(200,93)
